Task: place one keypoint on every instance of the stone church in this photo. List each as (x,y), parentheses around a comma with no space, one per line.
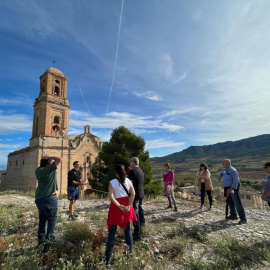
(49,137)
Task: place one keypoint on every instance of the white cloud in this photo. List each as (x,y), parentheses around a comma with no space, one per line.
(166,68)
(162,143)
(149,95)
(181,78)
(16,101)
(3,145)
(179,112)
(74,113)
(13,139)
(143,131)
(12,123)
(115,119)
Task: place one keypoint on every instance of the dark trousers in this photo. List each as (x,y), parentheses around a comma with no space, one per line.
(111,240)
(209,194)
(137,205)
(47,208)
(235,203)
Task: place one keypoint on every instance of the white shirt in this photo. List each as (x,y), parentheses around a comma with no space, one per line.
(118,190)
(207,175)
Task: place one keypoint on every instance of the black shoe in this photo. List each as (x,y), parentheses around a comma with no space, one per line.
(75,215)
(136,238)
(175,209)
(46,247)
(242,221)
(230,217)
(169,206)
(72,217)
(103,260)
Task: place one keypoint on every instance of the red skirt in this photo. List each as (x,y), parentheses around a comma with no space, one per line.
(117,217)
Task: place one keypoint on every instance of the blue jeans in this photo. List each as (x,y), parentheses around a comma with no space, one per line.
(234,201)
(47,207)
(137,205)
(111,240)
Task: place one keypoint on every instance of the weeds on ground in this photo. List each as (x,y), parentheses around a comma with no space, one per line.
(14,218)
(77,232)
(194,232)
(229,253)
(178,246)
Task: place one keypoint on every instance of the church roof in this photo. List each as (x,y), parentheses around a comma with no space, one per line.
(55,70)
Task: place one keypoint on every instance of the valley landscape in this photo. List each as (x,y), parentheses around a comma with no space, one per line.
(247,156)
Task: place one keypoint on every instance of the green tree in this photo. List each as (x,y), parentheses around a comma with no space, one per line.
(122,146)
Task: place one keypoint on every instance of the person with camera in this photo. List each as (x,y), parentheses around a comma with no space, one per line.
(45,197)
(74,182)
(231,183)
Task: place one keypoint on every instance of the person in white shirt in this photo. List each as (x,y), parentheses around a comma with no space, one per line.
(121,211)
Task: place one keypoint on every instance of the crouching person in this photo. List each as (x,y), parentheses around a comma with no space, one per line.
(121,212)
(45,197)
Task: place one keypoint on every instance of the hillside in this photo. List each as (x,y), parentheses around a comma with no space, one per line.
(257,147)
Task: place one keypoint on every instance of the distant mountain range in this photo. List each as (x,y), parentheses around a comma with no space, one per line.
(256,147)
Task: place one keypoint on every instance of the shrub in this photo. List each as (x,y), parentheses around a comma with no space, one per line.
(194,232)
(76,232)
(178,246)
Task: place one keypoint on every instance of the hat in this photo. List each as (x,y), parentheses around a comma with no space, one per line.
(267,164)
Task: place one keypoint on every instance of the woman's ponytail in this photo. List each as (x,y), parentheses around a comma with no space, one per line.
(120,170)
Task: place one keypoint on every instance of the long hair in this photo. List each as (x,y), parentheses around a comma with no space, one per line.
(204,165)
(120,170)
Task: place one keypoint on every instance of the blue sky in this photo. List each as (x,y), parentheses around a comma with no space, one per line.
(188,72)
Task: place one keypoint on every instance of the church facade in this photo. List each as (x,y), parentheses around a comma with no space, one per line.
(49,137)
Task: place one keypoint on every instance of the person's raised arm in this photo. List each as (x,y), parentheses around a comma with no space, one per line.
(57,160)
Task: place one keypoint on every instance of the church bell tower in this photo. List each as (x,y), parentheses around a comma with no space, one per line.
(51,108)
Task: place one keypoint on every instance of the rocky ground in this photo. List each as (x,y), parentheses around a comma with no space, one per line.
(161,224)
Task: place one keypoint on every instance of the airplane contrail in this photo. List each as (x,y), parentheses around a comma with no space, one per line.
(116,55)
(84,101)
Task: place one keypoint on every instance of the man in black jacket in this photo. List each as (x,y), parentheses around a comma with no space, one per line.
(74,181)
(136,175)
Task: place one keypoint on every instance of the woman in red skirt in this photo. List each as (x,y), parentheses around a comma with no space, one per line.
(121,212)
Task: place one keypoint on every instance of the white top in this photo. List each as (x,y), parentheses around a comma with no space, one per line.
(118,190)
(208,175)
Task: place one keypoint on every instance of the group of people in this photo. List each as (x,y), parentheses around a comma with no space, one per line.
(126,193)
(231,183)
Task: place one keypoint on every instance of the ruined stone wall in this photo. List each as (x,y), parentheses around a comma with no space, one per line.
(20,174)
